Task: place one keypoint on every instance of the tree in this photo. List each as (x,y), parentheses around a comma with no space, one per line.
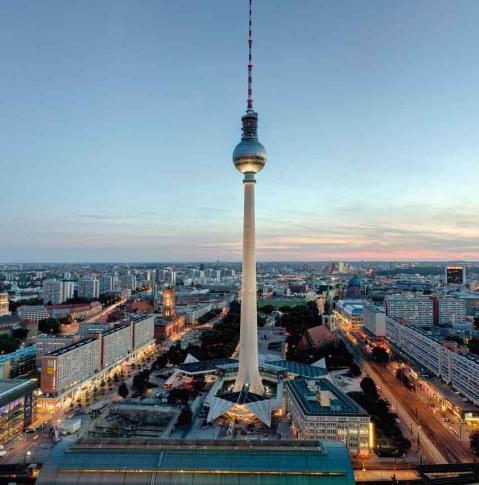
(381,356)
(268,309)
(8,344)
(473,345)
(49,325)
(354,370)
(369,388)
(185,417)
(160,362)
(123,390)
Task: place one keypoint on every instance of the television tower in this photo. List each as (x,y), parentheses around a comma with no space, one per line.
(249,157)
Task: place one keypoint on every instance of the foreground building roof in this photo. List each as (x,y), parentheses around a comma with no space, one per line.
(200,462)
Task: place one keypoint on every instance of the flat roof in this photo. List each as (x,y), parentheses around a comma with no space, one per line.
(183,461)
(311,407)
(11,389)
(68,348)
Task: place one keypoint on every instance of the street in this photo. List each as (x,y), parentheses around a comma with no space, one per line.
(431,439)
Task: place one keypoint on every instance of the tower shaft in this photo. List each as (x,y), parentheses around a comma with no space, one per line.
(248,372)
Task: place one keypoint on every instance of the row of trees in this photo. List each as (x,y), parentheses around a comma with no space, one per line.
(384,420)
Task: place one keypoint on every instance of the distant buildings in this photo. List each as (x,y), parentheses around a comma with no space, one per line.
(32,313)
(53,292)
(413,310)
(77,311)
(106,284)
(17,407)
(88,288)
(319,410)
(455,275)
(4,304)
(128,282)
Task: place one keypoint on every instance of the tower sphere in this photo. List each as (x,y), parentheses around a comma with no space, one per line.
(249,156)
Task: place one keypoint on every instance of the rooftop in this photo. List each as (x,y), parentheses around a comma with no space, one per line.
(341,404)
(181,461)
(71,347)
(11,389)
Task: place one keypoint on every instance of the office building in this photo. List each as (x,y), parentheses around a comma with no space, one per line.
(455,275)
(4,304)
(374,321)
(17,407)
(319,410)
(88,288)
(412,310)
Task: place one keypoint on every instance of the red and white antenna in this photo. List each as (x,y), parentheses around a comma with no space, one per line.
(250,60)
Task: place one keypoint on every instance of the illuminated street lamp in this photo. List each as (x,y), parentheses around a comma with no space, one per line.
(27,457)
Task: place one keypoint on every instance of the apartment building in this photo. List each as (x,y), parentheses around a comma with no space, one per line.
(66,368)
(444,359)
(413,310)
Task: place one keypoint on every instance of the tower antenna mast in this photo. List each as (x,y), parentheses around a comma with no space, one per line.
(250,60)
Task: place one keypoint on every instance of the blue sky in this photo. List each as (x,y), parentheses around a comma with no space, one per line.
(118,119)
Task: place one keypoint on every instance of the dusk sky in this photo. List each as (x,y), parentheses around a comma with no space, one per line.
(118,120)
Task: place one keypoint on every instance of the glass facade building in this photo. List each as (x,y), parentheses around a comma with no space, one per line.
(17,407)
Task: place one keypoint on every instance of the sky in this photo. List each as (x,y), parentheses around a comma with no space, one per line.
(118,120)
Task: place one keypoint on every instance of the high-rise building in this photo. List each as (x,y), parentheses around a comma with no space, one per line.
(88,288)
(128,282)
(68,290)
(106,283)
(412,310)
(447,309)
(53,292)
(455,275)
(4,304)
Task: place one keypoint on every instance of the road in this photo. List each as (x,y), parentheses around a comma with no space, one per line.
(105,312)
(432,438)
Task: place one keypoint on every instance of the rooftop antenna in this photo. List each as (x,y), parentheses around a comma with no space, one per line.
(250,60)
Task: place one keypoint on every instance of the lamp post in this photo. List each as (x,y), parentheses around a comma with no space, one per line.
(27,457)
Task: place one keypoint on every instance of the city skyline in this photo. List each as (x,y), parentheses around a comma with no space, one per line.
(375,114)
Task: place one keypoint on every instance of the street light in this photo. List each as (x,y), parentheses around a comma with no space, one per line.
(27,457)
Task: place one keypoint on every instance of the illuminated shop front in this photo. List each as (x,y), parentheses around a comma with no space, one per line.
(17,407)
